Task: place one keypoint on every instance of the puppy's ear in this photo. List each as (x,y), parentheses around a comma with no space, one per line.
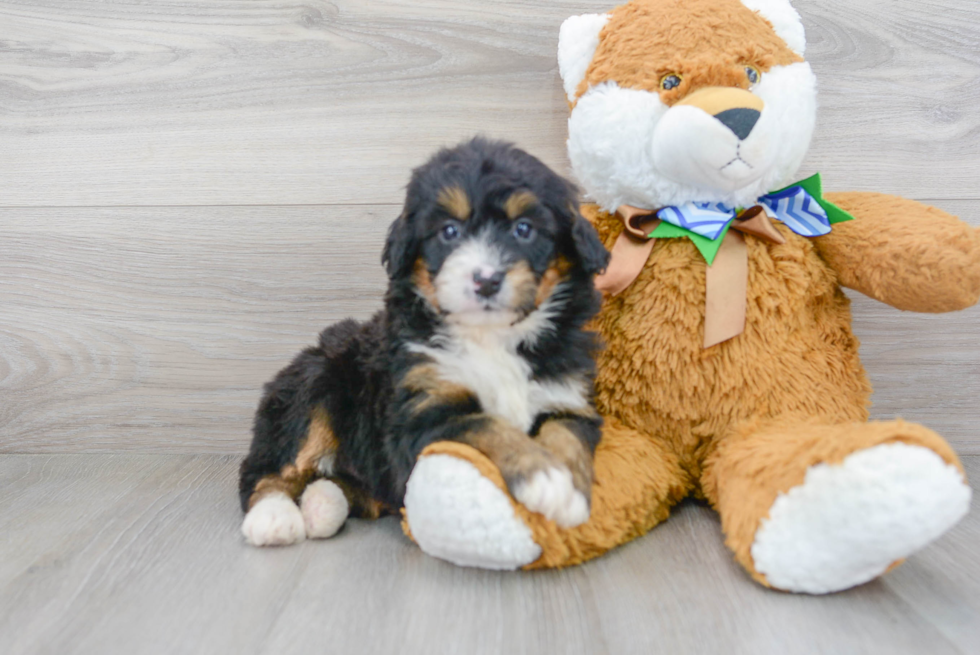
(400,249)
(591,253)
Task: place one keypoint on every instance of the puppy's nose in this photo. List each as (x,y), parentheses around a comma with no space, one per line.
(740,120)
(487,286)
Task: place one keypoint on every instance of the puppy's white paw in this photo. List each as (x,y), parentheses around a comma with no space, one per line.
(324,508)
(274,521)
(550,492)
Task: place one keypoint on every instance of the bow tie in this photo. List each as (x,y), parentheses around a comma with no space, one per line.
(800,207)
(796,208)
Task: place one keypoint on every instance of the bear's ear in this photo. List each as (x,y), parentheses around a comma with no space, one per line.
(577,40)
(785,21)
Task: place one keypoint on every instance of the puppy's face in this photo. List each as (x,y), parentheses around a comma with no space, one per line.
(485,254)
(488,233)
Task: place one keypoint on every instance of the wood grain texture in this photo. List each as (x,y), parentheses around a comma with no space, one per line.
(925,367)
(266,102)
(898,90)
(153,329)
(141,554)
(191,190)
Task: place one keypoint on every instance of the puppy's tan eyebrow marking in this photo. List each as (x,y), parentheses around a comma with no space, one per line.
(518,203)
(455,201)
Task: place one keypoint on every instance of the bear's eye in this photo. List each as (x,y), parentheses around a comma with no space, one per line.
(449,231)
(671,81)
(753,74)
(524,231)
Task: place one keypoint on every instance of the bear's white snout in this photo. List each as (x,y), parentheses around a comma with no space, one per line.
(718,147)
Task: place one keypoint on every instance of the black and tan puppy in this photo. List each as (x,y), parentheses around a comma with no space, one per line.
(480,341)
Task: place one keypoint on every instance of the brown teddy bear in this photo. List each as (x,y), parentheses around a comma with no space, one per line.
(730,371)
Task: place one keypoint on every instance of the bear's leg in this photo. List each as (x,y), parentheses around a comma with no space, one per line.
(820,508)
(457,507)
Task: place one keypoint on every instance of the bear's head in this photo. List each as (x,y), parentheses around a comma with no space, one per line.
(674,101)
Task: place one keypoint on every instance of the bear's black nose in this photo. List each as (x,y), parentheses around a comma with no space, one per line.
(740,120)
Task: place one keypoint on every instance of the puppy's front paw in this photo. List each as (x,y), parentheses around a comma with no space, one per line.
(550,491)
(324,508)
(274,521)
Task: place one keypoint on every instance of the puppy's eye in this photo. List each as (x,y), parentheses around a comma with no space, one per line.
(449,232)
(753,74)
(668,82)
(524,231)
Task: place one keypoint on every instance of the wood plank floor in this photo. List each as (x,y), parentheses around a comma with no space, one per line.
(199,102)
(153,328)
(141,554)
(191,190)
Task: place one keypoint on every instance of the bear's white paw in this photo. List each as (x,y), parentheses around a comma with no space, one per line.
(550,492)
(274,521)
(324,508)
(845,524)
(458,515)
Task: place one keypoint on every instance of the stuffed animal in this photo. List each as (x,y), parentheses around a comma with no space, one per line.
(730,371)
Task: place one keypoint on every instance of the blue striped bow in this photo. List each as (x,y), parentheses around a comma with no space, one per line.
(801,208)
(796,208)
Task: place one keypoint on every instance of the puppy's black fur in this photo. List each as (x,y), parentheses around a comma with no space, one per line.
(380,401)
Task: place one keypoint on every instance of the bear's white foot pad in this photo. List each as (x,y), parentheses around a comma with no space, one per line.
(845,524)
(324,508)
(550,492)
(274,521)
(458,515)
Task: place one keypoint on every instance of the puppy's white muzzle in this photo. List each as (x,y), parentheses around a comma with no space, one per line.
(462,284)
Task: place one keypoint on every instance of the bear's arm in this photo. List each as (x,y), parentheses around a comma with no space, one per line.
(903,253)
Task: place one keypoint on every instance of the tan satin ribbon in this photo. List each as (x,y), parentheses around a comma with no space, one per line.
(631,250)
(725,283)
(725,280)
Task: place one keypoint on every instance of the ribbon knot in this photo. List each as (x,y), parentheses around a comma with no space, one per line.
(794,207)
(800,207)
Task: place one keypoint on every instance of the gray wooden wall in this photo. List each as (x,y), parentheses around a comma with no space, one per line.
(190,191)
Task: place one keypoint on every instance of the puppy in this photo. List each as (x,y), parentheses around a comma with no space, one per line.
(480,341)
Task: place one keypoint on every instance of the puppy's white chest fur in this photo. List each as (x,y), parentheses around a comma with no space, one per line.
(485,360)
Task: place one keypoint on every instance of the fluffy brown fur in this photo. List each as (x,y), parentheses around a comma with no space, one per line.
(643,41)
(884,255)
(738,423)
(759,460)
